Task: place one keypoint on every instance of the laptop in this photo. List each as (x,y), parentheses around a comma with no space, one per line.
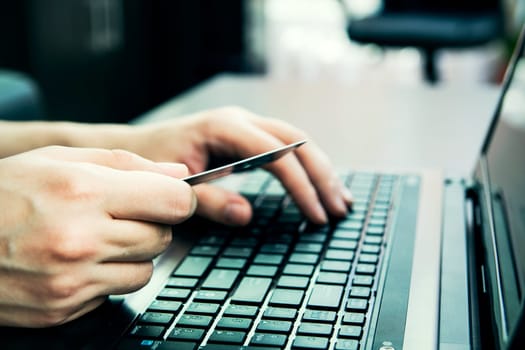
(420,262)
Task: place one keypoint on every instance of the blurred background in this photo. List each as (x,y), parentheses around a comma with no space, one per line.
(112,60)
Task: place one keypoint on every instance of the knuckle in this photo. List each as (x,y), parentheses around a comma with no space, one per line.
(142,276)
(123,156)
(60,288)
(69,245)
(70,186)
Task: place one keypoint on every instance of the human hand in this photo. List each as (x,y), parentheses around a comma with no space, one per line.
(234,132)
(79,224)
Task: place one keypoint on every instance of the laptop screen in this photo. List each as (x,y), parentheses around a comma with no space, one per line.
(503,160)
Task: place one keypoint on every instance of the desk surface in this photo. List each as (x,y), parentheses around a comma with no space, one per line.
(383,126)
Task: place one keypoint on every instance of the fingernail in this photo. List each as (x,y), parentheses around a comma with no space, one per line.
(194,201)
(347,195)
(236,213)
(178,170)
(320,213)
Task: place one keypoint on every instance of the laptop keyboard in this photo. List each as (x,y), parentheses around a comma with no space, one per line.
(281,282)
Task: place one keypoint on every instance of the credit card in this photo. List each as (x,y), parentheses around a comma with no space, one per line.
(242,165)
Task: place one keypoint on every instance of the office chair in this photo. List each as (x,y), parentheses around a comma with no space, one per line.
(430,25)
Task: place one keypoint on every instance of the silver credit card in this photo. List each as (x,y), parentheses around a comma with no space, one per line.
(242,165)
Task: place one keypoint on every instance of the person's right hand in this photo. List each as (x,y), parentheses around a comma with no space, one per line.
(79,224)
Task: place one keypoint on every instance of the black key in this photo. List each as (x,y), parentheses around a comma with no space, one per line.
(268,339)
(301,258)
(297,269)
(244,241)
(280,313)
(325,297)
(306,342)
(319,316)
(354,304)
(354,318)
(181,333)
(193,266)
(343,244)
(231,263)
(293,282)
(310,328)
(337,254)
(165,305)
(147,331)
(211,295)
(274,326)
(252,290)
(350,332)
(241,310)
(206,250)
(362,280)
(220,279)
(198,321)
(177,345)
(230,337)
(336,266)
(286,297)
(268,259)
(159,318)
(274,248)
(332,278)
(203,308)
(212,240)
(262,270)
(366,269)
(347,344)
(136,344)
(182,282)
(313,237)
(235,323)
(174,294)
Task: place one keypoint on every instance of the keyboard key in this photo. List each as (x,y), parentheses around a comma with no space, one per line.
(377,240)
(268,339)
(193,266)
(286,297)
(354,304)
(350,225)
(336,266)
(165,305)
(262,270)
(198,321)
(332,278)
(350,332)
(310,328)
(365,269)
(347,344)
(297,269)
(343,244)
(368,258)
(360,292)
(252,290)
(377,222)
(181,333)
(230,337)
(301,258)
(370,249)
(231,263)
(159,318)
(244,242)
(305,342)
(203,308)
(336,254)
(274,326)
(319,316)
(210,295)
(235,323)
(274,248)
(325,297)
(137,344)
(147,331)
(362,280)
(308,247)
(220,279)
(174,293)
(347,234)
(182,282)
(293,282)
(354,318)
(268,259)
(375,230)
(313,237)
(280,313)
(238,252)
(241,310)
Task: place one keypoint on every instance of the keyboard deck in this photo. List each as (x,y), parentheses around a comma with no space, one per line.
(279,283)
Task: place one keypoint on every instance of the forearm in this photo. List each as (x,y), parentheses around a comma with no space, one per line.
(17,137)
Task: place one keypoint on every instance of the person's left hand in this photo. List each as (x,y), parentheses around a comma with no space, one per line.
(234,132)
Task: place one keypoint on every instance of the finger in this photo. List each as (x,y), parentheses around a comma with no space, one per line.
(122,277)
(222,206)
(128,241)
(139,195)
(335,197)
(288,169)
(116,159)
